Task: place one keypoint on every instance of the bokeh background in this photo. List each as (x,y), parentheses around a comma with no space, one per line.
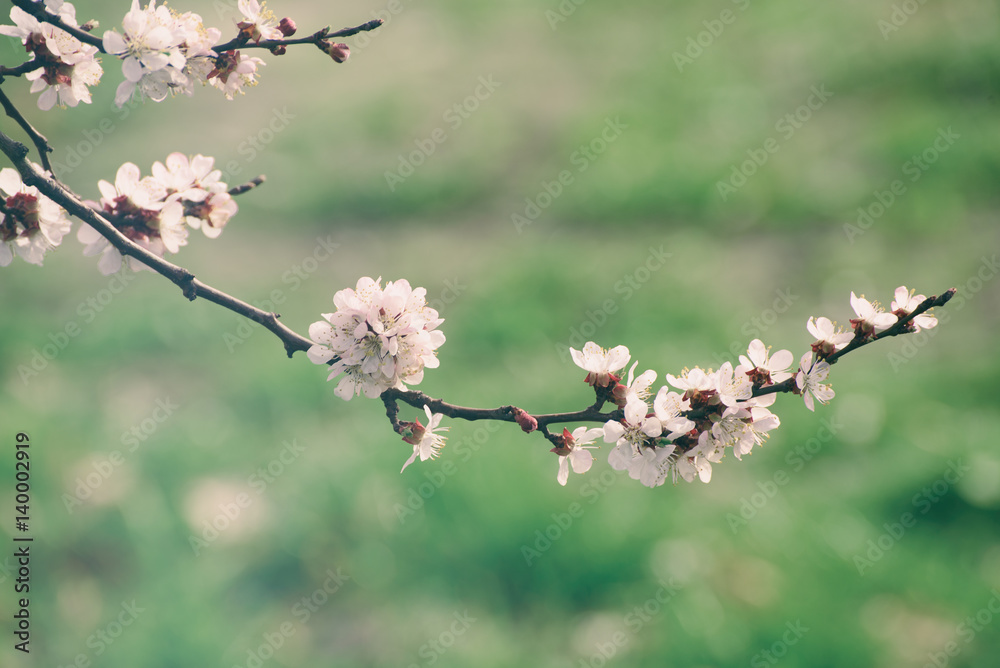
(434,567)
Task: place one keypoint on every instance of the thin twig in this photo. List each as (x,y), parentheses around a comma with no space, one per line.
(318,37)
(248,186)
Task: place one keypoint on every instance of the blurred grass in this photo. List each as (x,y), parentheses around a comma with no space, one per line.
(336,505)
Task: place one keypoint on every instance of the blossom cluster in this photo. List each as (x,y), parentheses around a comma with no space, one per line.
(30,223)
(378,338)
(156,211)
(153,211)
(162,52)
(699,416)
(68,66)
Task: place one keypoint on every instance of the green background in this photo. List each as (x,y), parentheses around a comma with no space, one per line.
(770,545)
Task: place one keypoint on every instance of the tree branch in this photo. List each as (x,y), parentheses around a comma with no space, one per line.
(295,342)
(39,140)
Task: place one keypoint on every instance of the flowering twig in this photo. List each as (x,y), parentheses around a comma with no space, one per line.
(317,38)
(184,279)
(37,9)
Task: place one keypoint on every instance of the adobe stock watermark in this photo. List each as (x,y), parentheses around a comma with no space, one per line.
(913,343)
(580,159)
(564,10)
(258,481)
(548,535)
(299,614)
(253,144)
(432,650)
(88,309)
(468,446)
(293,277)
(922,502)
(132,439)
(103,638)
(454,117)
(73,155)
(913,169)
(624,289)
(756,326)
(796,460)
(786,127)
(966,631)
(632,623)
(900,15)
(699,43)
(794,631)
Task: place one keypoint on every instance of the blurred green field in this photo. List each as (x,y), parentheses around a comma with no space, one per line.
(430,567)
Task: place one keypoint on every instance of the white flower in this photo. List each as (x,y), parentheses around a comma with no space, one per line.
(630,435)
(871,318)
(668,407)
(233,72)
(634,387)
(576,451)
(258,22)
(766,369)
(150,49)
(426,442)
(600,364)
(906,302)
(734,386)
(742,428)
(378,338)
(654,465)
(137,208)
(206,203)
(30,223)
(698,460)
(68,66)
(810,379)
(694,380)
(828,337)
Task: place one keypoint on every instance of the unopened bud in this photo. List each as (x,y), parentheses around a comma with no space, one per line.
(338,51)
(619,395)
(90,26)
(287,27)
(527,423)
(278,50)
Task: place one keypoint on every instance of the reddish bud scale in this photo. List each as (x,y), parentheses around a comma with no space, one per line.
(412,432)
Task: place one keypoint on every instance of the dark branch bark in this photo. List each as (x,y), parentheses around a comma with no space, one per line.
(40,142)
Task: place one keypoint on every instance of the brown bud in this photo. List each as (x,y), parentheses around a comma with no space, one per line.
(338,51)
(278,50)
(528,424)
(90,26)
(287,27)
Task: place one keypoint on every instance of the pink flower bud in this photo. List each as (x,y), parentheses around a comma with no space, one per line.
(287,27)
(527,423)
